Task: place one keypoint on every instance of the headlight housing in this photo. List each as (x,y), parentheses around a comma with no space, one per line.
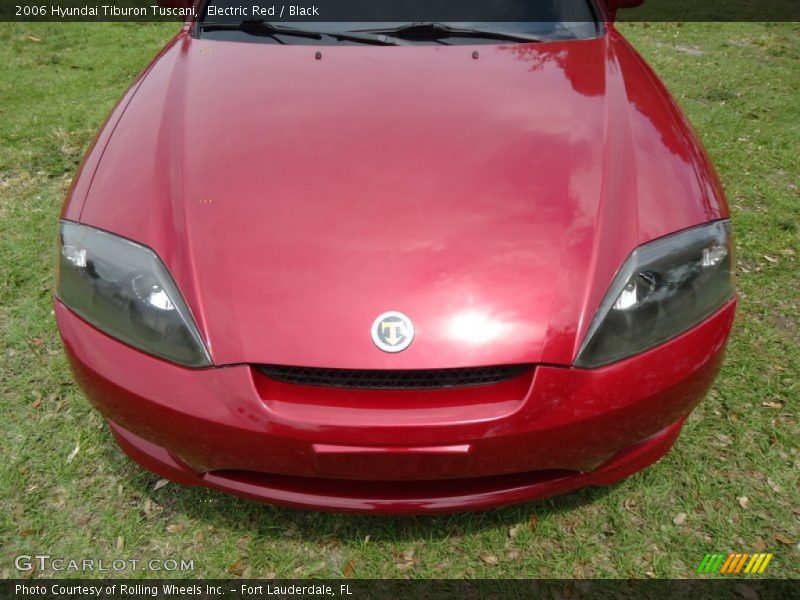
(664,288)
(123,289)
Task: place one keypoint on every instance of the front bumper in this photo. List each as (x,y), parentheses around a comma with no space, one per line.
(559,429)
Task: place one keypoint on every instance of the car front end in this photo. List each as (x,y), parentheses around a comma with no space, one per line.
(425,278)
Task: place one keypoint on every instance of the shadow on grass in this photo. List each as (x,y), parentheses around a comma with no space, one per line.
(240,516)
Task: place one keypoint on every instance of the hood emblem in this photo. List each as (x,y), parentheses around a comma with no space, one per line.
(392,331)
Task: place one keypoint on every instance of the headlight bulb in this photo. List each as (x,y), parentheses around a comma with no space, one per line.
(149,291)
(636,292)
(713,256)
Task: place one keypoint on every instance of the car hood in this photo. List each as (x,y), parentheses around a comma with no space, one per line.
(489,197)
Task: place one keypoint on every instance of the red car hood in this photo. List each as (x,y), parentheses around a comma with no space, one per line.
(491,199)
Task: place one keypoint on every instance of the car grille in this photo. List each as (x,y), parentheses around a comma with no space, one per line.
(410,379)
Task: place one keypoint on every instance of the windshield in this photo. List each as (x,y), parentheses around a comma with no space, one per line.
(538,19)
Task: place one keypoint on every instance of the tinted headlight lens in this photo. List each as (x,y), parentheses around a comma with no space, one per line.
(123,289)
(664,288)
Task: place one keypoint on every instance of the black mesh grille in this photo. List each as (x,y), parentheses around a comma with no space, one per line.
(413,379)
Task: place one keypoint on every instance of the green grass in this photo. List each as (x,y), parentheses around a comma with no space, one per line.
(740,85)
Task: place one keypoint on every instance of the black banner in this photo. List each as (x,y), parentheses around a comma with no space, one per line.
(360,11)
(141,589)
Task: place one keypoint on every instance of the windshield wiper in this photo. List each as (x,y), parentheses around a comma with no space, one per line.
(437,31)
(265,28)
(364,38)
(258,27)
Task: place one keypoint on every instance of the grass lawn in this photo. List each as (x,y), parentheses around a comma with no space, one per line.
(731,483)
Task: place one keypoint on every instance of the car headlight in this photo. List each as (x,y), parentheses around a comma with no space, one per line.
(664,288)
(123,289)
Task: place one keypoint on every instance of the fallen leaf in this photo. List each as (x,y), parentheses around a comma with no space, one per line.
(514,531)
(176,528)
(533,522)
(120,543)
(773,486)
(490,559)
(760,544)
(26,532)
(291,531)
(349,568)
(33,38)
(199,537)
(403,566)
(37,403)
(74,452)
(679,519)
(160,483)
(770,259)
(772,404)
(783,539)
(236,568)
(513,554)
(723,439)
(743,501)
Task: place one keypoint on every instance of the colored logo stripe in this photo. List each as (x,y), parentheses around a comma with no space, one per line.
(726,566)
(758,563)
(711,563)
(734,563)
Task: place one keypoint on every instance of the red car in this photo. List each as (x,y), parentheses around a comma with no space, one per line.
(396,267)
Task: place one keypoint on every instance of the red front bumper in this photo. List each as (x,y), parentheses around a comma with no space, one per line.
(556,430)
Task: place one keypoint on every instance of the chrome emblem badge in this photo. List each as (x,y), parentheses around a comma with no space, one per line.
(392,331)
